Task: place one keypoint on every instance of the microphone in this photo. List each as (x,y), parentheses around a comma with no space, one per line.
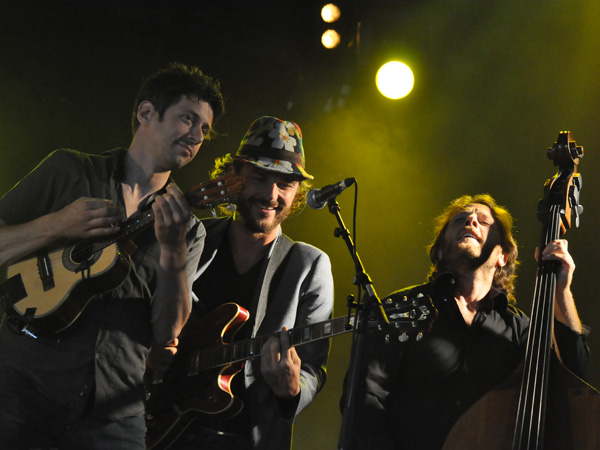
(317,198)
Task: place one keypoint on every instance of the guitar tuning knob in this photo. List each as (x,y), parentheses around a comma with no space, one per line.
(576,212)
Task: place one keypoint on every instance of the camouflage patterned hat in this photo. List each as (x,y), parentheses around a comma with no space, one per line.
(274,144)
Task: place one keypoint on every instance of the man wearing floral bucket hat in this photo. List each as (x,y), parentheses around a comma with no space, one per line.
(283,284)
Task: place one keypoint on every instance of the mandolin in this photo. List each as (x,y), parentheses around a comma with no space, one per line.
(52,288)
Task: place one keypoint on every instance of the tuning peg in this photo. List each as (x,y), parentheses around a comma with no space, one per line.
(576,212)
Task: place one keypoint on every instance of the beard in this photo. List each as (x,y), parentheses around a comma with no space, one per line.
(456,257)
(254,221)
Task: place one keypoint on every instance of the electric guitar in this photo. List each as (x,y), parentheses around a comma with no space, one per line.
(52,288)
(199,380)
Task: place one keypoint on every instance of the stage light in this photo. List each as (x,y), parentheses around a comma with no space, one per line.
(394,80)
(338,26)
(330,39)
(330,13)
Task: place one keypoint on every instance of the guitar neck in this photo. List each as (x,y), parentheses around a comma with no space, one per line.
(128,228)
(205,195)
(222,355)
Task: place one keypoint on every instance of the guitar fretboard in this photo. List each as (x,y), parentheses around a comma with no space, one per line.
(206,195)
(222,355)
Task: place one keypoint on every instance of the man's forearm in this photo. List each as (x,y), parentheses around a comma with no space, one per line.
(566,312)
(171,302)
(19,241)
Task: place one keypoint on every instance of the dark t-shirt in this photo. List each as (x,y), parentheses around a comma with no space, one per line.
(102,355)
(222,283)
(219,284)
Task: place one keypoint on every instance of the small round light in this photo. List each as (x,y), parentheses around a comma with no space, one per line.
(330,39)
(330,13)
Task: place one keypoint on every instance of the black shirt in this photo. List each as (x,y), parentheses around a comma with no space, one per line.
(414,391)
(221,283)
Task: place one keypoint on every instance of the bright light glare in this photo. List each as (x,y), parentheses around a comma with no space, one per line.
(330,13)
(394,80)
(330,39)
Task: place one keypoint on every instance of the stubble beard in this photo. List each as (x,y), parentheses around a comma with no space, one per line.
(260,225)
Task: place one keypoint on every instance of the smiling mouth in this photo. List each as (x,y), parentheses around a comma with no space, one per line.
(189,150)
(266,209)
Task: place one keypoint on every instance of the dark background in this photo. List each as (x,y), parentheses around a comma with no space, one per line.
(495,83)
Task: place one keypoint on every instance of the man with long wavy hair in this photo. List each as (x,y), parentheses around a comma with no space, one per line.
(415,390)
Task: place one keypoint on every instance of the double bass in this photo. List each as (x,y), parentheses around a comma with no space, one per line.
(542,405)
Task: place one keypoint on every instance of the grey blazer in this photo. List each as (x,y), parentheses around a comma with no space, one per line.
(297,291)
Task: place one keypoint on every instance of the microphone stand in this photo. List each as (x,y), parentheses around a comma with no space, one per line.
(363,314)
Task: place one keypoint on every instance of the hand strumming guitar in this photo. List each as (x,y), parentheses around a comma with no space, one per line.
(82,219)
(87,218)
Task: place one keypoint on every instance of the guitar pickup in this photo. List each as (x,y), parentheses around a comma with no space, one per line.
(45,270)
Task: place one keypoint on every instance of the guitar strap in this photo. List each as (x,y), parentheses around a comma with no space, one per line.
(280,250)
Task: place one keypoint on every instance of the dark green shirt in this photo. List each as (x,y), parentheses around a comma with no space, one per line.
(101,357)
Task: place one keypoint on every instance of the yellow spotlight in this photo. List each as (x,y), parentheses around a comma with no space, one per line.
(330,13)
(394,80)
(330,39)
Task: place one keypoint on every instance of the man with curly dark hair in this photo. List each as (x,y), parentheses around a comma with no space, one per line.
(413,391)
(71,375)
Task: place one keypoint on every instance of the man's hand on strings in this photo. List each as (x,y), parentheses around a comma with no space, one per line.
(280,366)
(171,213)
(88,218)
(160,357)
(558,250)
(565,310)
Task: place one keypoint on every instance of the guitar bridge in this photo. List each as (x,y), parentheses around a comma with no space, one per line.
(44,266)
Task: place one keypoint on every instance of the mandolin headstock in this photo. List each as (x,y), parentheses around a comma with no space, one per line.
(216,192)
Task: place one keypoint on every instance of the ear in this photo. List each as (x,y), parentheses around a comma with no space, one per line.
(502,259)
(145,112)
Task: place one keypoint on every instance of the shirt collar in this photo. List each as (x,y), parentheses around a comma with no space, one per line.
(444,285)
(117,160)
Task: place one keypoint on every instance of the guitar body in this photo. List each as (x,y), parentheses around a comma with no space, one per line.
(490,422)
(199,380)
(184,394)
(58,285)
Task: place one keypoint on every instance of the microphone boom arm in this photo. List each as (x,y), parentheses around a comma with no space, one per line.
(361,277)
(372,301)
